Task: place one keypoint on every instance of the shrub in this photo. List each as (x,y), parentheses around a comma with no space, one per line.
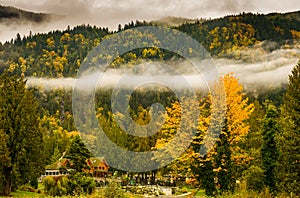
(34,183)
(254,178)
(55,186)
(265,193)
(181,191)
(79,183)
(26,188)
(114,190)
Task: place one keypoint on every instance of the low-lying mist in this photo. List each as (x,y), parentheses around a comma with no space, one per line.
(255,67)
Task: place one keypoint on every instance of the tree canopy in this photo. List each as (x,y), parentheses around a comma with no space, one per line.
(21,136)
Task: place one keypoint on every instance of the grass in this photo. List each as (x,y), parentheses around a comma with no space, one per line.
(240,193)
(195,191)
(26,194)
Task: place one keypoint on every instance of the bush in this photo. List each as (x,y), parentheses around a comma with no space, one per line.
(76,184)
(79,183)
(114,190)
(181,191)
(55,186)
(265,193)
(26,188)
(254,178)
(34,183)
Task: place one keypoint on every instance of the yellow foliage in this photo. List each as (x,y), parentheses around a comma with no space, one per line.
(237,114)
(50,42)
(295,34)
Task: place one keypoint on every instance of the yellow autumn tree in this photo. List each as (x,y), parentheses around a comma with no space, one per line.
(222,125)
(176,136)
(228,155)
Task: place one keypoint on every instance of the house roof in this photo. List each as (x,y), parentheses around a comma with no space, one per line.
(96,161)
(57,165)
(63,161)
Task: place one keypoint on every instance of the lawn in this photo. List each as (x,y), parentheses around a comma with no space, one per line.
(26,194)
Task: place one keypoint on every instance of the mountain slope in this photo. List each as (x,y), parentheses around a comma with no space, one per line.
(59,53)
(10,13)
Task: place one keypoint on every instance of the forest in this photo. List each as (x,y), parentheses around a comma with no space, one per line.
(257,148)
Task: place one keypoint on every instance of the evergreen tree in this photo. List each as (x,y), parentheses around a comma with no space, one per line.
(288,139)
(269,150)
(204,172)
(4,157)
(254,140)
(78,154)
(55,156)
(21,147)
(223,161)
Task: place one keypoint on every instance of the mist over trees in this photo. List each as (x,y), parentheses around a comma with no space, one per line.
(259,142)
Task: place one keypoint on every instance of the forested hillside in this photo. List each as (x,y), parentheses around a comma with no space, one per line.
(59,53)
(9,14)
(257,139)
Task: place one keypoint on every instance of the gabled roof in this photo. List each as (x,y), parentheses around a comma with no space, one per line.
(96,161)
(58,164)
(61,163)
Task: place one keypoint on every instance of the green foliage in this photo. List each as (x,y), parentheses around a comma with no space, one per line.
(183,190)
(78,154)
(56,137)
(27,188)
(4,157)
(254,140)
(223,161)
(76,184)
(34,183)
(288,139)
(206,175)
(56,155)
(60,53)
(55,186)
(232,33)
(114,190)
(269,151)
(80,183)
(20,130)
(254,177)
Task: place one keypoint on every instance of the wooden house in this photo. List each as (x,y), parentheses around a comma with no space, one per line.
(98,167)
(58,168)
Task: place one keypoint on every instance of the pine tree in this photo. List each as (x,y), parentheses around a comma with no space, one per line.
(4,157)
(202,166)
(78,154)
(204,172)
(21,140)
(288,139)
(55,156)
(269,151)
(223,160)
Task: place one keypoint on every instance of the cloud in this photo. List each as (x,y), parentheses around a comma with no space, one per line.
(110,13)
(270,70)
(269,73)
(153,8)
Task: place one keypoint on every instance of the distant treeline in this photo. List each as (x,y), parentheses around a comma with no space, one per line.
(7,12)
(59,53)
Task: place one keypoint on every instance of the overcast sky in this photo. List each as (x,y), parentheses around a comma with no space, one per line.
(110,13)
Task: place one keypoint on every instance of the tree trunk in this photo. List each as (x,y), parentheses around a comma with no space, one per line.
(7,181)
